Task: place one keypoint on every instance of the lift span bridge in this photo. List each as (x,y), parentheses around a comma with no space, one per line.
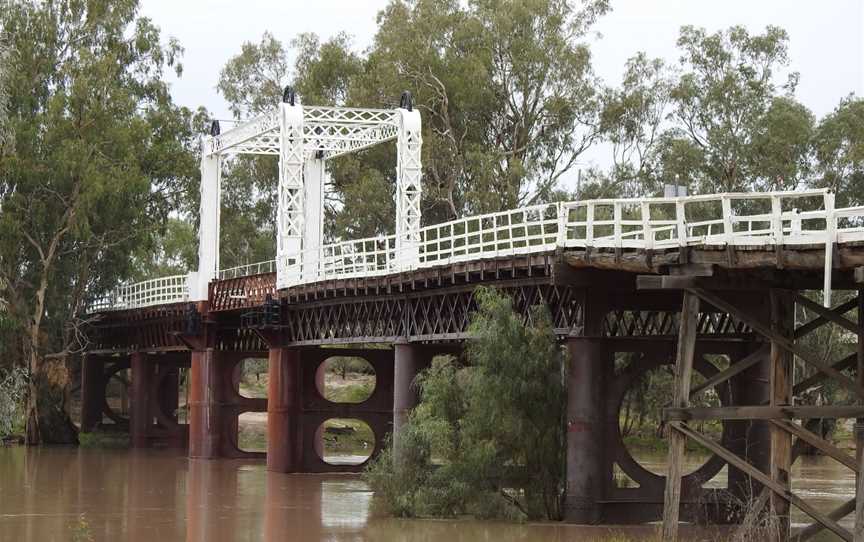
(653,281)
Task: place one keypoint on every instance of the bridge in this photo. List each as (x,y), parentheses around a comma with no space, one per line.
(648,282)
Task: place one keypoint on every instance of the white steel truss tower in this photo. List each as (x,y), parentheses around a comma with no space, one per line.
(304,138)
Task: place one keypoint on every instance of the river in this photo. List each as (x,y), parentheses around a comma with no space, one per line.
(63,494)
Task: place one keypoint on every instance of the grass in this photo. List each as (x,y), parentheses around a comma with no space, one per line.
(347,437)
(356,389)
(252,437)
(341,437)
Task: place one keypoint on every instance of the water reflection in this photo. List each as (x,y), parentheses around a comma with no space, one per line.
(57,494)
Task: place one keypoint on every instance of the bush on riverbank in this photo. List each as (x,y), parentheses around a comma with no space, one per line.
(13,385)
(488,438)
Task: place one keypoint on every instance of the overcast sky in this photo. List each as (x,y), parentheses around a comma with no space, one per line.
(826,38)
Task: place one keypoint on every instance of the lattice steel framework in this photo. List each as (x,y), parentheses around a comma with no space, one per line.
(444,314)
(408,191)
(289,227)
(331,131)
(430,316)
(301,136)
(643,323)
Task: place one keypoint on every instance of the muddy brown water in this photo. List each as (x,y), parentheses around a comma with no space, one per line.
(66,494)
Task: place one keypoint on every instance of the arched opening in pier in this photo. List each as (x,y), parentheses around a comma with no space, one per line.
(346,379)
(118,386)
(345,441)
(253,378)
(252,384)
(642,430)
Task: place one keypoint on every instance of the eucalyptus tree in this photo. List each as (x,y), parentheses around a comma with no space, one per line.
(252,82)
(508,97)
(632,121)
(724,118)
(507,91)
(736,125)
(99,158)
(5,69)
(839,150)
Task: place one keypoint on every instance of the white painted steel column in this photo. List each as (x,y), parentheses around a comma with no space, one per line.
(289,220)
(315,179)
(208,229)
(408,189)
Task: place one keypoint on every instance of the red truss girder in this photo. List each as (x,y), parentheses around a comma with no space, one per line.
(242,292)
(149,328)
(430,315)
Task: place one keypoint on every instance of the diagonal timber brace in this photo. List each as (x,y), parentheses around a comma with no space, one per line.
(780,340)
(764,479)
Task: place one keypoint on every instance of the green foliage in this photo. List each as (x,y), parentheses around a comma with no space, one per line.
(101,153)
(254,367)
(506,90)
(81,531)
(719,123)
(839,149)
(505,87)
(97,439)
(100,157)
(722,104)
(173,251)
(13,383)
(5,70)
(342,365)
(494,429)
(631,121)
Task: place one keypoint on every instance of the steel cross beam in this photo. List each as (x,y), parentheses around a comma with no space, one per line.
(330,131)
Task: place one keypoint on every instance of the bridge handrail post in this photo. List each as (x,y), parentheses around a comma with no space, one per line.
(616,219)
(728,223)
(563,213)
(647,232)
(680,219)
(589,224)
(777,220)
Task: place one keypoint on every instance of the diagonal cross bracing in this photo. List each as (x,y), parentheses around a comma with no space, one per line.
(333,130)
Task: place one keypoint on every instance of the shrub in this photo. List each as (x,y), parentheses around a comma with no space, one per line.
(487,438)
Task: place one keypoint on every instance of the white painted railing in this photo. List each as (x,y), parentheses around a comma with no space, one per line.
(249,269)
(740,219)
(173,289)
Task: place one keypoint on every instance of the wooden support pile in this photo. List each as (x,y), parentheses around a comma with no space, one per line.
(788,438)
